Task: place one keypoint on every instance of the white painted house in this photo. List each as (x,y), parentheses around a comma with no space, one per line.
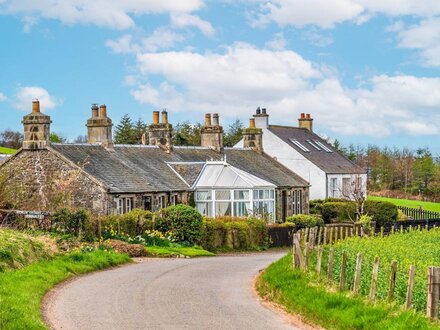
(302,151)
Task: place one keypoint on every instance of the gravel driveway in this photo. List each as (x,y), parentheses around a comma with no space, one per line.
(202,293)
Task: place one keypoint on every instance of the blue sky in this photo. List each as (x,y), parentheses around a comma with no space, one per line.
(366,70)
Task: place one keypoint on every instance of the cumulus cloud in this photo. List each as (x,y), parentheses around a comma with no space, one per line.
(243,77)
(114,14)
(25,95)
(326,14)
(183,20)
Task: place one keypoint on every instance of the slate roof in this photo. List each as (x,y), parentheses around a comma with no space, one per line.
(330,162)
(137,169)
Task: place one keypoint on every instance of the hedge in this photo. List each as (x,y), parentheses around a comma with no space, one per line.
(304,220)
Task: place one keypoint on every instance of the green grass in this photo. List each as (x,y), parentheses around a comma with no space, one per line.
(428,206)
(304,294)
(22,291)
(18,249)
(7,151)
(170,251)
(419,248)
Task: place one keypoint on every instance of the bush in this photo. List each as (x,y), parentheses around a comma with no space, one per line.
(304,221)
(183,221)
(131,224)
(230,233)
(338,211)
(70,222)
(383,213)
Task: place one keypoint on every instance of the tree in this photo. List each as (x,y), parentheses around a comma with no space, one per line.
(187,134)
(234,133)
(11,139)
(81,139)
(423,170)
(56,138)
(124,132)
(139,129)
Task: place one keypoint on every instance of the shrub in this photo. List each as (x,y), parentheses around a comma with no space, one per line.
(183,221)
(338,211)
(304,221)
(366,221)
(131,224)
(383,213)
(231,233)
(70,222)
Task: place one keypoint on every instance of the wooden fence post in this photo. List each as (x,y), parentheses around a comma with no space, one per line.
(392,284)
(343,275)
(432,300)
(393,229)
(330,265)
(331,235)
(357,274)
(381,231)
(410,289)
(324,241)
(306,256)
(401,228)
(374,278)
(298,258)
(319,260)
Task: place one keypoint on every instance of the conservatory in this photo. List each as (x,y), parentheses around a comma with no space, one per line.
(224,190)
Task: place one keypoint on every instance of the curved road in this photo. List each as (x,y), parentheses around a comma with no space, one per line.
(202,293)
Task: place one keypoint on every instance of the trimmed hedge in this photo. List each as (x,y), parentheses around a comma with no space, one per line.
(230,233)
(303,221)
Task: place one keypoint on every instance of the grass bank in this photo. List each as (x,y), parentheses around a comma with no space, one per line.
(7,151)
(22,291)
(173,251)
(304,294)
(428,206)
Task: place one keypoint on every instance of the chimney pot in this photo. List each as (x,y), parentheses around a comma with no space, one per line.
(164,117)
(308,116)
(303,115)
(251,122)
(95,110)
(208,120)
(155,117)
(103,111)
(258,111)
(263,111)
(35,105)
(215,119)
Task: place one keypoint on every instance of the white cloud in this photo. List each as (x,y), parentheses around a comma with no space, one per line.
(243,77)
(25,95)
(326,14)
(424,37)
(183,20)
(277,43)
(2,97)
(114,14)
(317,38)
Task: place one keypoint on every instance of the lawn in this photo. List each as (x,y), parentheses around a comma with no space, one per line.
(173,251)
(428,206)
(7,151)
(306,295)
(22,291)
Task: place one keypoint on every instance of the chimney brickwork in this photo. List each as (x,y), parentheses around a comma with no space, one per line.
(253,137)
(36,129)
(160,134)
(261,118)
(212,134)
(99,126)
(305,121)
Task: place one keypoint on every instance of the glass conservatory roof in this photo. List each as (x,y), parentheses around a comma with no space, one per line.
(219,174)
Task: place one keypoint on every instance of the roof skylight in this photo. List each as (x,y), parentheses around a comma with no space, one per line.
(313,145)
(299,145)
(323,146)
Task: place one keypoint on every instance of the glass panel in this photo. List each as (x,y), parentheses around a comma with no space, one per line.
(222,209)
(203,195)
(266,194)
(260,194)
(204,208)
(223,195)
(241,194)
(241,209)
(272,194)
(255,194)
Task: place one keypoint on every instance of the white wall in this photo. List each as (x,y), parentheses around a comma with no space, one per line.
(339,177)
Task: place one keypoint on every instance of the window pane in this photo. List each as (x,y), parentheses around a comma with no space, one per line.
(272,194)
(222,209)
(204,208)
(223,195)
(261,194)
(203,195)
(241,209)
(241,194)
(255,194)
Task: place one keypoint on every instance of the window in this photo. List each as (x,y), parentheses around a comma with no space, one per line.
(241,194)
(264,203)
(297,199)
(323,146)
(334,187)
(161,202)
(148,206)
(124,204)
(299,145)
(224,195)
(346,191)
(223,209)
(241,209)
(173,199)
(313,145)
(204,202)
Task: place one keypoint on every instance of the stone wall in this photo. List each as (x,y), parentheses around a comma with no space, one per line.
(39,180)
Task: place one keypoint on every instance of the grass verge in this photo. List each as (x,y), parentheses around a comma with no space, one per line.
(170,251)
(428,206)
(22,291)
(303,294)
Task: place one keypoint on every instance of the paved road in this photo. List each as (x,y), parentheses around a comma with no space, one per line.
(204,293)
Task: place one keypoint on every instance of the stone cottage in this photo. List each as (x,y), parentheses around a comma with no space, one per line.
(109,178)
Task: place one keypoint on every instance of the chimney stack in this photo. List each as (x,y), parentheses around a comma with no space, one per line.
(160,134)
(212,135)
(261,118)
(99,127)
(36,129)
(253,137)
(306,121)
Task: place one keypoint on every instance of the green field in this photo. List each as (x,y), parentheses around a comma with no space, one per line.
(7,151)
(428,206)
